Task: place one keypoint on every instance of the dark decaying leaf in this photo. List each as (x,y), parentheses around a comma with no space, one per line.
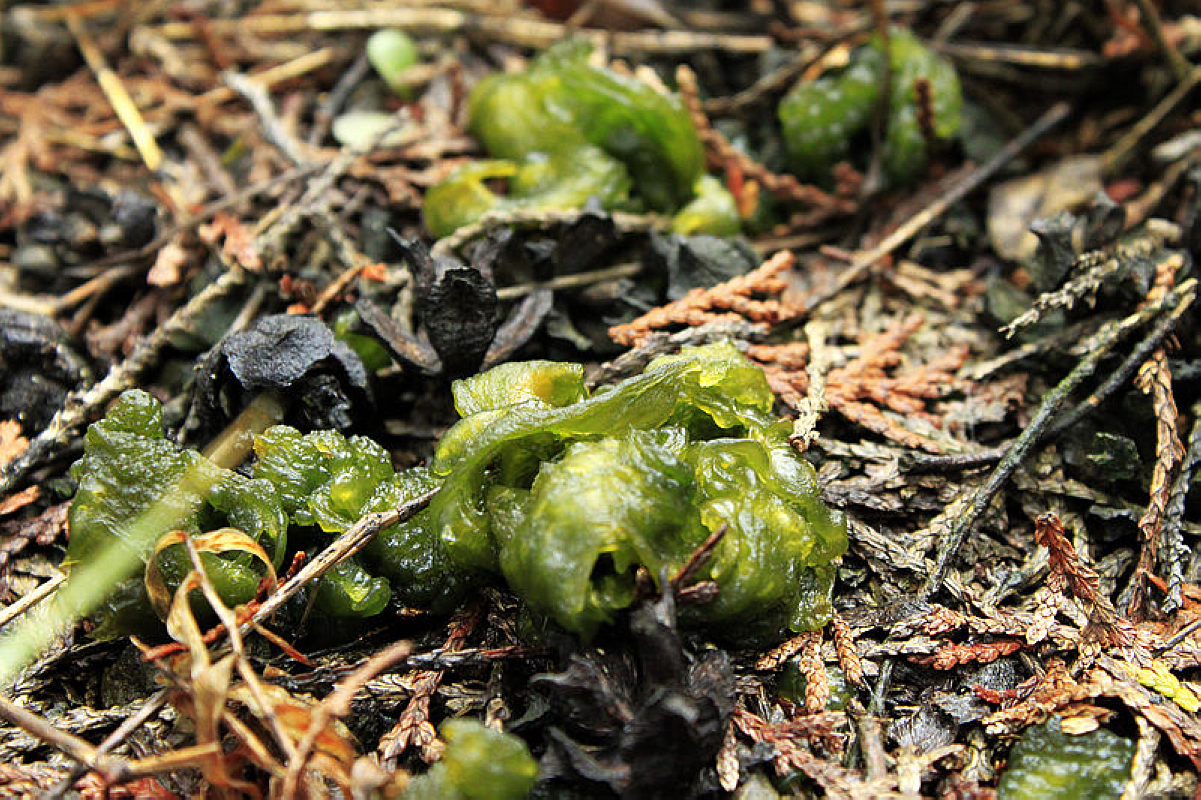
(641,729)
(456,308)
(698,261)
(37,369)
(323,380)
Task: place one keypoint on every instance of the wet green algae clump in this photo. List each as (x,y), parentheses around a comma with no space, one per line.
(562,494)
(1048,764)
(565,131)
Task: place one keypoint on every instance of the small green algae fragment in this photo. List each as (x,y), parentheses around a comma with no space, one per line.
(1048,764)
(712,212)
(391,52)
(479,764)
(791,684)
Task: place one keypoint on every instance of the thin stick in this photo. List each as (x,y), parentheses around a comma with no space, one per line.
(119,734)
(1115,157)
(112,769)
(575,280)
(337,705)
(515,30)
(1178,64)
(354,539)
(256,94)
(118,97)
(864,260)
(31,599)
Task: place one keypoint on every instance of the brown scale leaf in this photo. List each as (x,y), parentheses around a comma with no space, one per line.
(414,728)
(817,680)
(239,241)
(1155,379)
(844,646)
(952,655)
(1067,570)
(775,658)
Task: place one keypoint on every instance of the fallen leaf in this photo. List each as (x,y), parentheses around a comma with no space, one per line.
(239,241)
(168,265)
(12,443)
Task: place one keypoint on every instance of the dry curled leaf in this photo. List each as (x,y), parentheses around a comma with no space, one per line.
(12,443)
(239,241)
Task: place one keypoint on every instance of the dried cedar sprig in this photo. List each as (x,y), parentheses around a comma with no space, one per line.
(1068,571)
(952,655)
(844,646)
(1155,379)
(414,728)
(731,301)
(1175,551)
(817,681)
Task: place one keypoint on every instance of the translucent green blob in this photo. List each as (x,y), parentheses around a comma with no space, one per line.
(391,52)
(330,481)
(136,486)
(568,502)
(479,764)
(1047,764)
(565,131)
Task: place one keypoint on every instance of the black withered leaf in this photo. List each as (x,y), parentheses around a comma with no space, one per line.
(298,356)
(584,242)
(1055,254)
(645,730)
(37,369)
(698,261)
(456,308)
(1103,222)
(137,217)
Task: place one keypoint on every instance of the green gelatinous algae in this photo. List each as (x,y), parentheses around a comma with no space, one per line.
(479,764)
(563,495)
(1047,763)
(330,481)
(791,683)
(135,486)
(820,117)
(565,131)
(566,502)
(904,145)
(537,182)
